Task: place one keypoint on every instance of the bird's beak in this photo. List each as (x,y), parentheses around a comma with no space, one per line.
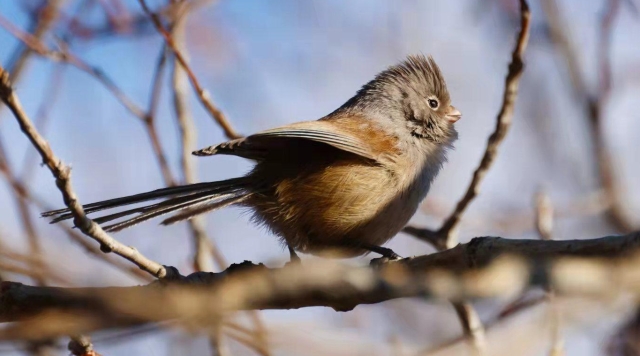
(453,114)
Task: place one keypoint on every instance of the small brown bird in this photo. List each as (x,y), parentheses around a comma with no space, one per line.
(348,181)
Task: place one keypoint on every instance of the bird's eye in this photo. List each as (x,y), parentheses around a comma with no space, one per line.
(433,103)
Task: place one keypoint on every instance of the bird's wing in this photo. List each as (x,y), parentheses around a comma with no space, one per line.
(352,134)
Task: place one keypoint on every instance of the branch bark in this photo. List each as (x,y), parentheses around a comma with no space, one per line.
(485,267)
(62,173)
(203,95)
(445,236)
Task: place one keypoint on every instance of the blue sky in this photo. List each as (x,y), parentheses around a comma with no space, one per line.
(267,63)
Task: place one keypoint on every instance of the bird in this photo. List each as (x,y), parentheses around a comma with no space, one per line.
(347,182)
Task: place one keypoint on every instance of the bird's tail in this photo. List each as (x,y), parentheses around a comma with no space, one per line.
(192,199)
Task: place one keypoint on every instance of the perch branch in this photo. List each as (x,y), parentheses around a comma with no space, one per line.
(485,267)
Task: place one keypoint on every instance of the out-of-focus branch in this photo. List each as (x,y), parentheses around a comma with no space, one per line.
(62,173)
(205,250)
(66,56)
(544,226)
(20,188)
(42,20)
(50,97)
(202,259)
(594,104)
(203,95)
(472,327)
(517,222)
(445,237)
(27,265)
(150,119)
(81,346)
(544,215)
(26,217)
(483,268)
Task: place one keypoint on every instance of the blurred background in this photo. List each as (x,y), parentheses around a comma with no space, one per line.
(575,137)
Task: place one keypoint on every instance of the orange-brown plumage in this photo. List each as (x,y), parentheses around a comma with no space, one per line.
(349,181)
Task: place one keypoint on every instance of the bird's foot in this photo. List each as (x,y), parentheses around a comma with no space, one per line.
(294,259)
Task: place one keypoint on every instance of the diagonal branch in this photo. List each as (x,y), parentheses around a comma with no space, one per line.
(66,56)
(445,237)
(203,95)
(62,174)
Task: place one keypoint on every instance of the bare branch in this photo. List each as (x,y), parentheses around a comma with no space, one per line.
(544,215)
(42,21)
(62,173)
(20,188)
(472,327)
(593,104)
(64,55)
(481,268)
(26,217)
(150,119)
(445,237)
(206,250)
(203,95)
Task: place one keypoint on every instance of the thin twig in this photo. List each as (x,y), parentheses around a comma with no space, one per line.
(25,193)
(42,20)
(472,327)
(66,56)
(50,97)
(203,95)
(594,104)
(202,258)
(544,215)
(517,222)
(445,237)
(205,250)
(62,173)
(26,217)
(150,119)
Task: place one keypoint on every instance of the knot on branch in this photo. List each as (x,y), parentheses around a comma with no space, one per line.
(516,65)
(5,85)
(81,346)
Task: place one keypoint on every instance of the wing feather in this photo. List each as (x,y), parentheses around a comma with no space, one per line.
(352,134)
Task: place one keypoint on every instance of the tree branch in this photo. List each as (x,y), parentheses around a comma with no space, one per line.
(445,237)
(62,173)
(203,95)
(485,267)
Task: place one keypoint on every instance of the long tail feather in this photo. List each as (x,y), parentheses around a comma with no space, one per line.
(152,195)
(213,194)
(154,207)
(176,204)
(190,213)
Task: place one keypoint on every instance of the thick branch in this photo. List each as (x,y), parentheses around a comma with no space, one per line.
(476,269)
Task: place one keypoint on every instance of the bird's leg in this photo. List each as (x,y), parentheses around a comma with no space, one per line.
(385,252)
(294,258)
